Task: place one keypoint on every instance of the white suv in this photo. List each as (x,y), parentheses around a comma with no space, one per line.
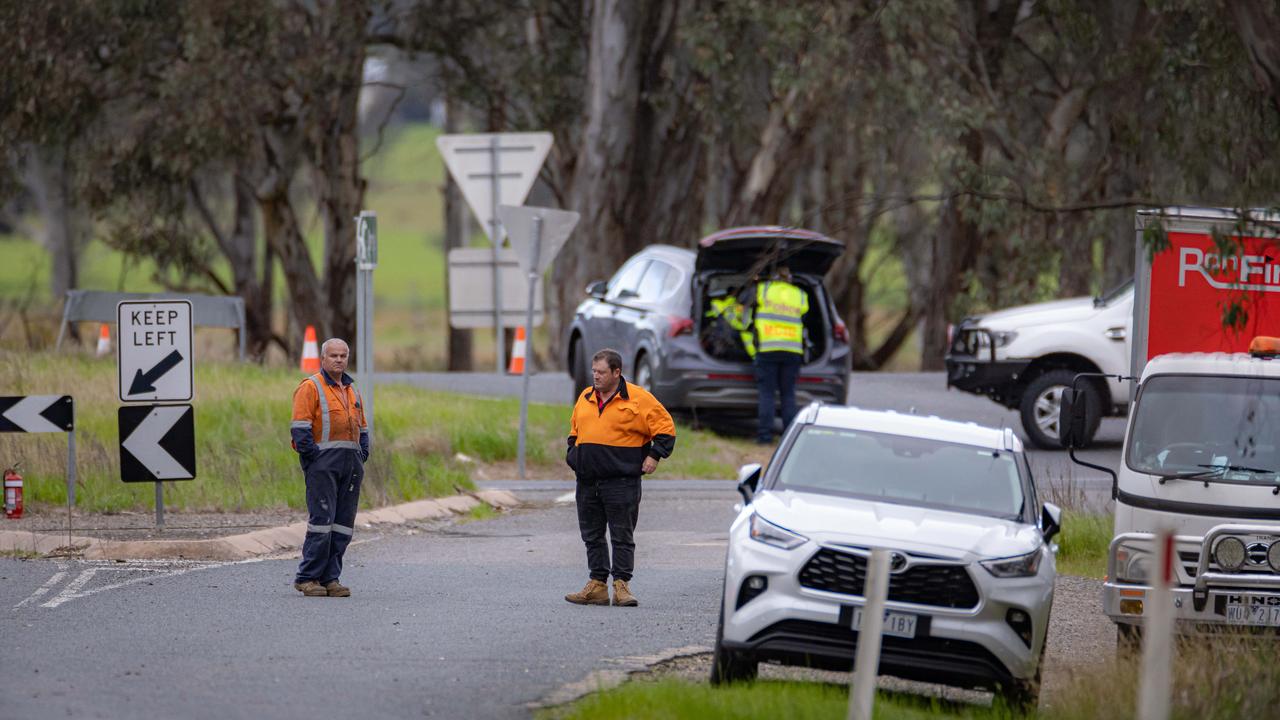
(971,560)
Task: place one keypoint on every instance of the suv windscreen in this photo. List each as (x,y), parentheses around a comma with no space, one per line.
(904,470)
(1224,428)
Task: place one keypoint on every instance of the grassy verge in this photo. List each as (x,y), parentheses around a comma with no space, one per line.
(683,700)
(243,457)
(1083,544)
(1232,676)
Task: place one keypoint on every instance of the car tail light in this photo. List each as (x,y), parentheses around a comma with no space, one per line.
(840,331)
(680,326)
(731,376)
(811,379)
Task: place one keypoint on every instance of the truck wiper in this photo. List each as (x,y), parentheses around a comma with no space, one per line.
(1240,468)
(1214,471)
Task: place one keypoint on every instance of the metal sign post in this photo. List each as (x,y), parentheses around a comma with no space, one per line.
(493,170)
(537,234)
(366,262)
(535,247)
(156,363)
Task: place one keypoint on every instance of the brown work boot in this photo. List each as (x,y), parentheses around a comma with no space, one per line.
(310,588)
(595,593)
(337,589)
(622,596)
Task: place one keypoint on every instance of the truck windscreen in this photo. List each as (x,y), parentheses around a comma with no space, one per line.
(1214,428)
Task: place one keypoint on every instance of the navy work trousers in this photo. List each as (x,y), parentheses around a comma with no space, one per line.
(776,372)
(333,493)
(613,504)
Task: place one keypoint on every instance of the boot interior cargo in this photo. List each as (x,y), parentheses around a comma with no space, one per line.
(723,342)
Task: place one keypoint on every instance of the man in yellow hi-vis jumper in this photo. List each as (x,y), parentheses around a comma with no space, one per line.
(778,318)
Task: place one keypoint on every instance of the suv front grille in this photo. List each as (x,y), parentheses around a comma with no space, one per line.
(845,573)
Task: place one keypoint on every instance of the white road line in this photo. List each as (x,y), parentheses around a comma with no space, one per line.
(567,498)
(68,592)
(46,587)
(72,591)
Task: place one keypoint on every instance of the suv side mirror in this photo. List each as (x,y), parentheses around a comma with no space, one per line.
(598,288)
(1071,418)
(748,480)
(1050,521)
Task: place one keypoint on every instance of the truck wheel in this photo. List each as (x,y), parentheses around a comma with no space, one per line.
(1041,408)
(730,666)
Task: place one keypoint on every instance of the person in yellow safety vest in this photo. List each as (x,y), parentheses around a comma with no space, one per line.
(734,313)
(778,319)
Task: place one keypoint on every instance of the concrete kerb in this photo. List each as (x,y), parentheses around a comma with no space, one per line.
(243,546)
(607,679)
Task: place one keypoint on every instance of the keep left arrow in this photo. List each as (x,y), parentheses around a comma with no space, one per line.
(145,382)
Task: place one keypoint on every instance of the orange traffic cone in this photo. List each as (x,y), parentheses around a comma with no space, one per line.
(310,352)
(104,340)
(517,354)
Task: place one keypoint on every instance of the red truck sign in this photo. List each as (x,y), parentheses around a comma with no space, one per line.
(1193,283)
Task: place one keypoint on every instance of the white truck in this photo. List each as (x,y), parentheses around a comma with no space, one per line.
(1024,357)
(1201,453)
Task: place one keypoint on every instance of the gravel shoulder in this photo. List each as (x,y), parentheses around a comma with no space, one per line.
(138,525)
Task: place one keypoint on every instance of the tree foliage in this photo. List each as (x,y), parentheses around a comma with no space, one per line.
(994,147)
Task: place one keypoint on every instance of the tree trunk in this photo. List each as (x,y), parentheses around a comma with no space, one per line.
(1258,24)
(601,180)
(455,207)
(307,304)
(66,225)
(335,157)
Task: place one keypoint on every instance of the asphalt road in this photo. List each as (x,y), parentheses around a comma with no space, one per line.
(461,621)
(453,621)
(923,393)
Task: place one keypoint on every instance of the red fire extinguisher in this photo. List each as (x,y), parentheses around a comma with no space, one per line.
(13,493)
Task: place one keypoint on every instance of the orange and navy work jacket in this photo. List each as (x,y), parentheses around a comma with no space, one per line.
(613,440)
(328,415)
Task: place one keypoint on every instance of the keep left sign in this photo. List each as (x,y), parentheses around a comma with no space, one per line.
(154,350)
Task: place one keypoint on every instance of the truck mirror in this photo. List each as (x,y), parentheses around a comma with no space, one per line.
(748,480)
(1071,418)
(1050,521)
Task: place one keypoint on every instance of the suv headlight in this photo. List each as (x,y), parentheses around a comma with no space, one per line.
(1014,567)
(1132,565)
(766,532)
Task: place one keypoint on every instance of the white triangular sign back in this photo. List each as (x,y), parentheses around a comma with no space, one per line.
(471,161)
(556,227)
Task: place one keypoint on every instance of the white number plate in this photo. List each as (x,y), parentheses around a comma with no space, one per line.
(1244,613)
(895,624)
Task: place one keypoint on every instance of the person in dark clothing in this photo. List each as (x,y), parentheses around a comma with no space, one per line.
(332,440)
(617,432)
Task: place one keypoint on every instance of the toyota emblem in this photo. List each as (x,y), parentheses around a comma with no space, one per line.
(897,562)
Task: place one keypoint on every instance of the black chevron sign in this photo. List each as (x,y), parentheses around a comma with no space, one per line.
(37,413)
(157,442)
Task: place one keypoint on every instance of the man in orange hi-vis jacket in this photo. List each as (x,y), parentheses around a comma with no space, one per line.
(618,431)
(332,439)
